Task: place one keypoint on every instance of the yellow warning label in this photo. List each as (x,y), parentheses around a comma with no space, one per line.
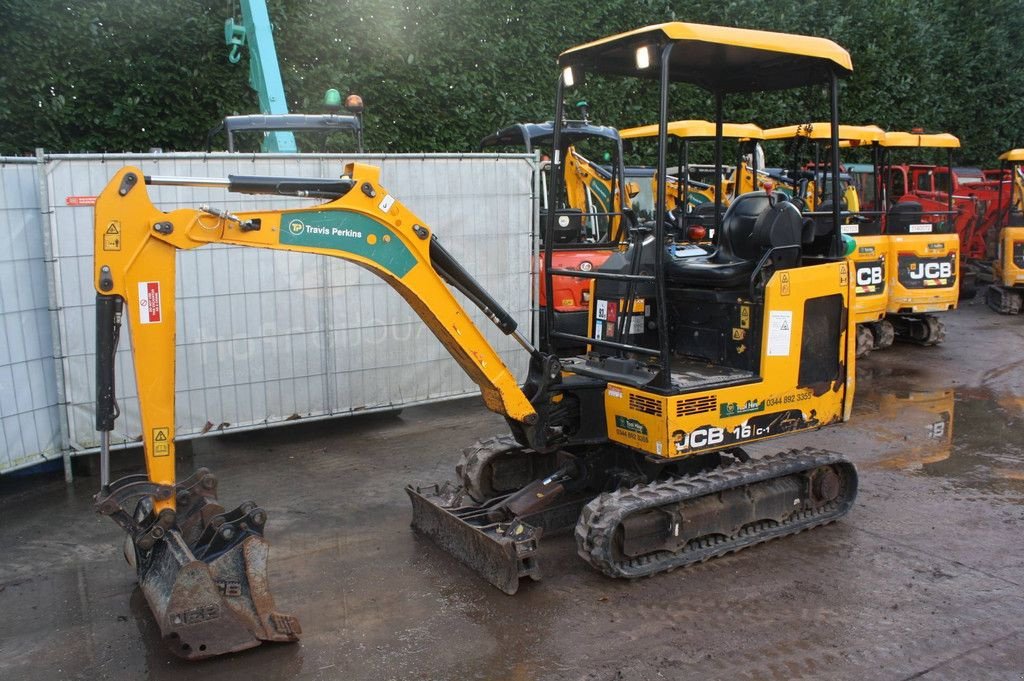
(844,275)
(745,317)
(784,283)
(161,441)
(738,334)
(112,237)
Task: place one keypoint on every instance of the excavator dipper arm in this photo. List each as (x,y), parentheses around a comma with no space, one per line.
(203,569)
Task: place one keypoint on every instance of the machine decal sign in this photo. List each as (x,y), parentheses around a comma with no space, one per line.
(870,277)
(149,302)
(80,200)
(161,441)
(917,272)
(780,332)
(631,428)
(734,409)
(922,228)
(348,232)
(112,236)
(756,427)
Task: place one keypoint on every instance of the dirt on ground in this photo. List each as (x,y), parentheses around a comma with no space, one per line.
(922,580)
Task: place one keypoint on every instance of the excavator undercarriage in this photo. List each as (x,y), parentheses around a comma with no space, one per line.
(637,526)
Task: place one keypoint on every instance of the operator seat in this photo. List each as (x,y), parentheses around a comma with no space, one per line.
(901,215)
(823,223)
(754,223)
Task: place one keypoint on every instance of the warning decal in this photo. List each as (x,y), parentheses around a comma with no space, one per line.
(161,441)
(80,200)
(112,236)
(780,332)
(149,302)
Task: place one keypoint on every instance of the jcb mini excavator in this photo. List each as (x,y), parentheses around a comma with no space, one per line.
(1006,293)
(924,249)
(637,445)
(870,255)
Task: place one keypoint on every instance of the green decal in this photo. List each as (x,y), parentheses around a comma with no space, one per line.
(602,194)
(348,232)
(734,409)
(631,425)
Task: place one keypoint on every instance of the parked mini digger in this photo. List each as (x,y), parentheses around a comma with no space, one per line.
(924,249)
(635,444)
(870,256)
(1006,293)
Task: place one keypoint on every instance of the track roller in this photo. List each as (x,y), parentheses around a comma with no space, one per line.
(922,329)
(1004,300)
(865,341)
(883,334)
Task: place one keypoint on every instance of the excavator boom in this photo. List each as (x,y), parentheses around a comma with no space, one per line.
(203,569)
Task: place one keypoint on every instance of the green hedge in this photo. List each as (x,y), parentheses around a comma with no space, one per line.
(437,75)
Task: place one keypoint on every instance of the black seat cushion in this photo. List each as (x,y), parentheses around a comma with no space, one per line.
(901,215)
(823,223)
(753,224)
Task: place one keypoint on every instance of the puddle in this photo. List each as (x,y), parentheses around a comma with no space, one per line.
(970,436)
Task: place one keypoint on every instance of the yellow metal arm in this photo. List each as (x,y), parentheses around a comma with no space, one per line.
(135,246)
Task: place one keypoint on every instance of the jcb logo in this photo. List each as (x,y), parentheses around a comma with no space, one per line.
(869,276)
(932,270)
(699,438)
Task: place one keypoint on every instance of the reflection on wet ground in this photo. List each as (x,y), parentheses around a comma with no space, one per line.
(969,435)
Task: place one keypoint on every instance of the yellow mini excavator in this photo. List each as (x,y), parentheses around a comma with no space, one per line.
(637,444)
(1006,293)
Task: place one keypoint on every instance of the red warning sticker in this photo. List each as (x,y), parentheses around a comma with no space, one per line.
(80,200)
(149,302)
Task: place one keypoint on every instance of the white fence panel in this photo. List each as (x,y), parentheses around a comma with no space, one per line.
(29,405)
(265,337)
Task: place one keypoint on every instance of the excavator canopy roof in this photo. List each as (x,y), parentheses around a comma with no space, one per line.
(941,140)
(1011,155)
(696,129)
(530,134)
(860,134)
(716,58)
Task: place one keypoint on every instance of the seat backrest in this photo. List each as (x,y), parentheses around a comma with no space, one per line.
(901,215)
(823,223)
(779,225)
(735,241)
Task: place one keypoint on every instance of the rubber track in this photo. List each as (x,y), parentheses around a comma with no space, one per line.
(600,518)
(470,468)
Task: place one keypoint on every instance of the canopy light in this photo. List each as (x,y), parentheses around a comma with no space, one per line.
(643,57)
(568,77)
(354,103)
(332,99)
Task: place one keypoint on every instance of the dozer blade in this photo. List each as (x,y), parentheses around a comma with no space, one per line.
(202,570)
(501,552)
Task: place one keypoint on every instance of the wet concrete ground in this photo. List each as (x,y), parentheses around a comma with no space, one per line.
(923,580)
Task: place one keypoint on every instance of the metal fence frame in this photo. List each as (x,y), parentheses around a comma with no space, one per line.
(64,273)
